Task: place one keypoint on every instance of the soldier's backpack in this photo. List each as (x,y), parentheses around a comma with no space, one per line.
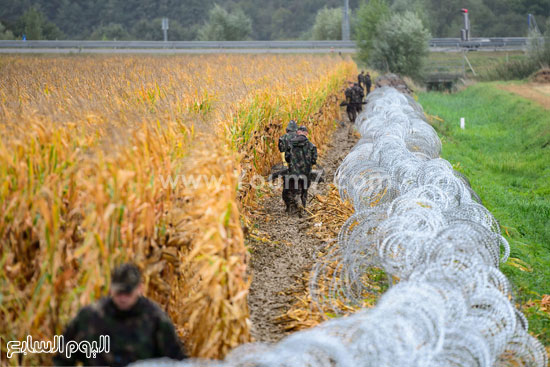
(299,156)
(357,95)
(349,94)
(284,141)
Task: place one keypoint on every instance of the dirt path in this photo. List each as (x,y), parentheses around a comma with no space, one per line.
(278,263)
(537,92)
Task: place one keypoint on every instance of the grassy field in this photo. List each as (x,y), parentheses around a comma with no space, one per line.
(481,61)
(505,152)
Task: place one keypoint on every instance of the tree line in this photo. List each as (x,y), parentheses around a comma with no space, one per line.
(249,19)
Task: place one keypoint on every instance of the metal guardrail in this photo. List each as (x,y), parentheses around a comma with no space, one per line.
(178,44)
(516,42)
(510,42)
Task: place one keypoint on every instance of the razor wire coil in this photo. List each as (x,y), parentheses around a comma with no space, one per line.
(419,220)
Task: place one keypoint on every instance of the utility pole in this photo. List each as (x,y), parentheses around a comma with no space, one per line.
(345,22)
(532,25)
(165,28)
(465,37)
(465,32)
(535,38)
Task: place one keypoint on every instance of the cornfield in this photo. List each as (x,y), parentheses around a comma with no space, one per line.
(89,151)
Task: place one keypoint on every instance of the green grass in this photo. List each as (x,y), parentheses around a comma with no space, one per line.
(482,61)
(505,152)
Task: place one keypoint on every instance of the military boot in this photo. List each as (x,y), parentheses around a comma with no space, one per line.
(293,209)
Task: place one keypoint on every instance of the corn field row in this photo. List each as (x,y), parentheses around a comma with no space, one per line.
(86,144)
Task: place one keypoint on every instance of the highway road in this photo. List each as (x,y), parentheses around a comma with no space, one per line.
(196,47)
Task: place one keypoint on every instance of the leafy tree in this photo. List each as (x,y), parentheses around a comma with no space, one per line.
(178,32)
(148,30)
(416,6)
(224,26)
(328,24)
(401,45)
(110,32)
(489,18)
(280,22)
(541,55)
(5,34)
(369,15)
(274,19)
(32,24)
(35,26)
(70,18)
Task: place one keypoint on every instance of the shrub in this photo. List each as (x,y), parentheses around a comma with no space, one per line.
(224,26)
(328,24)
(113,31)
(401,45)
(369,15)
(5,34)
(34,25)
(539,57)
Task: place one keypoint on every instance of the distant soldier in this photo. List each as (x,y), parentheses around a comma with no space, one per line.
(350,108)
(361,79)
(301,156)
(354,100)
(368,82)
(358,97)
(284,143)
(137,327)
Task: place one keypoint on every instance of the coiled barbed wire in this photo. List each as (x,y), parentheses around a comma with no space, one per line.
(419,220)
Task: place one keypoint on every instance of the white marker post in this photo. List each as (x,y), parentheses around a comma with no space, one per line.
(462,123)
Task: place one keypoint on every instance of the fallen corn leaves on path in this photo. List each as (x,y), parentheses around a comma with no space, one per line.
(283,248)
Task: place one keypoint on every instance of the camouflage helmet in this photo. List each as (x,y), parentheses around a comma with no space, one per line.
(125,278)
(292,126)
(303,128)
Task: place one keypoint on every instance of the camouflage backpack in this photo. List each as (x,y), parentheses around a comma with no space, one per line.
(300,156)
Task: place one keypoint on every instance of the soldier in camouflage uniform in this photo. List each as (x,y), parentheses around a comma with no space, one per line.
(354,100)
(284,142)
(364,80)
(358,96)
(301,155)
(290,133)
(137,327)
(368,82)
(350,108)
(361,79)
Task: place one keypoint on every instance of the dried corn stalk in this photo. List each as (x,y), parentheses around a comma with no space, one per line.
(88,149)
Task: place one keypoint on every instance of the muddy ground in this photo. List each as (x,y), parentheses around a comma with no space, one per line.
(278,262)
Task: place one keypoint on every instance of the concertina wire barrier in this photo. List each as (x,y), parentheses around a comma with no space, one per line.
(419,220)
